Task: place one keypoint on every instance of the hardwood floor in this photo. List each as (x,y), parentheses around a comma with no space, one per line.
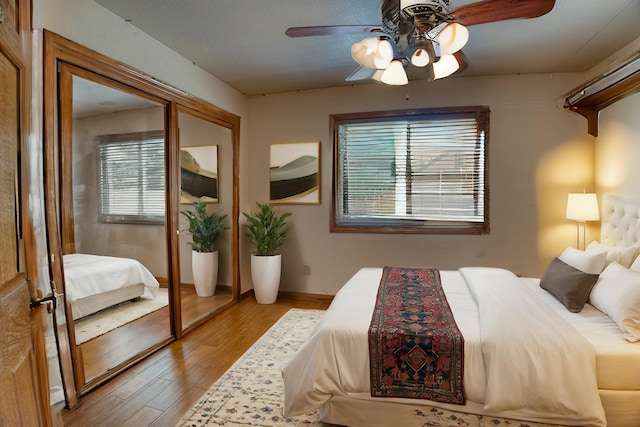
(160,389)
(106,352)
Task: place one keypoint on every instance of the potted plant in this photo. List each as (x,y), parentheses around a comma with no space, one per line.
(204,229)
(267,231)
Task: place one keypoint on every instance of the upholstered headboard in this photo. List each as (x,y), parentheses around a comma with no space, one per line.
(620,221)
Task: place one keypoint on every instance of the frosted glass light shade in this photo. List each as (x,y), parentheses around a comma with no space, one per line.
(420,58)
(373,53)
(394,74)
(582,207)
(452,38)
(447,65)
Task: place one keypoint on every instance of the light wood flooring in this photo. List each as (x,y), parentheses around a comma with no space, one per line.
(161,388)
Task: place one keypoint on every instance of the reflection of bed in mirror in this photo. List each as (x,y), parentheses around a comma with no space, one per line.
(94,282)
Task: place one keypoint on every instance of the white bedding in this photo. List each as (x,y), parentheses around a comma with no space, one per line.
(88,275)
(335,360)
(617,360)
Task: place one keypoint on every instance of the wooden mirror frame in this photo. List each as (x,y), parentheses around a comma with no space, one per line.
(58,49)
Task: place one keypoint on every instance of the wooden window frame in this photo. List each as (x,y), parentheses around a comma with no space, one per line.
(410,226)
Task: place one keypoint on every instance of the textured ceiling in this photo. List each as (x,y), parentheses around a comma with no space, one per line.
(243,43)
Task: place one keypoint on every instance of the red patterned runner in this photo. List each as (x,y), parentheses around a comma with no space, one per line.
(415,346)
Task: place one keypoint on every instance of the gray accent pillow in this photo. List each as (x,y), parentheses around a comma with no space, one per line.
(569,285)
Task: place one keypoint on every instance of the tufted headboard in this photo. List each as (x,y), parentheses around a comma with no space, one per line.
(620,221)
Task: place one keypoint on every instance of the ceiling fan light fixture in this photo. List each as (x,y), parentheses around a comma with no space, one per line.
(452,38)
(395,75)
(447,65)
(373,52)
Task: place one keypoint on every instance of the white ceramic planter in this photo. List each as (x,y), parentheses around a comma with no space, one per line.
(265,273)
(205,272)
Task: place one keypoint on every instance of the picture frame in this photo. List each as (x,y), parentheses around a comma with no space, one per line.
(199,174)
(294,173)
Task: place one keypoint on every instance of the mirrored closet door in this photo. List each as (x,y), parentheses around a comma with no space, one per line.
(113,221)
(116,144)
(206,176)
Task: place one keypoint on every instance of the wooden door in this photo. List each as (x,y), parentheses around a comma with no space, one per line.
(24,396)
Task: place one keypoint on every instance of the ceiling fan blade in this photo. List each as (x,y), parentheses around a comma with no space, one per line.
(462,61)
(360,73)
(486,11)
(331,30)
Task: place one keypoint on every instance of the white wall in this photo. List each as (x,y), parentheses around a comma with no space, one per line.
(618,148)
(89,24)
(538,153)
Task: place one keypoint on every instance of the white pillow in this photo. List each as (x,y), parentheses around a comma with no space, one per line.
(617,294)
(636,264)
(592,263)
(623,256)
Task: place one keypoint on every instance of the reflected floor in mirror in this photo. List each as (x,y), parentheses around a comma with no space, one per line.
(195,307)
(106,351)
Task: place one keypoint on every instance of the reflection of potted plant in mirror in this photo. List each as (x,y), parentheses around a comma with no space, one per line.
(267,231)
(204,229)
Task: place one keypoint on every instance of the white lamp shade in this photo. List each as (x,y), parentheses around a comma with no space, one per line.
(420,58)
(377,75)
(394,74)
(452,38)
(446,65)
(582,207)
(373,53)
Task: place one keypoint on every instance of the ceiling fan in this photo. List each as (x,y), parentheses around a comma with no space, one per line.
(423,34)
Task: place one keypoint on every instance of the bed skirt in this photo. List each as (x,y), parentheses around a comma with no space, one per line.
(88,305)
(620,406)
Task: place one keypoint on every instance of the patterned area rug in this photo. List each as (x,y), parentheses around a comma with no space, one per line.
(96,324)
(250,392)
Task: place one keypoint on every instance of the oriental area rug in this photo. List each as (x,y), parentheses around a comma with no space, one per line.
(251,392)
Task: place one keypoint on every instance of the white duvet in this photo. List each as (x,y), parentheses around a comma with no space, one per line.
(521,358)
(86,275)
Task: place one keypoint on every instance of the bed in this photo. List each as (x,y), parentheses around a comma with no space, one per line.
(589,376)
(94,282)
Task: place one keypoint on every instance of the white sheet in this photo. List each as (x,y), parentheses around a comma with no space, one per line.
(617,360)
(335,359)
(86,275)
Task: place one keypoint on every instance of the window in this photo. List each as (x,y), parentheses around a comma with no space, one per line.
(131,178)
(417,171)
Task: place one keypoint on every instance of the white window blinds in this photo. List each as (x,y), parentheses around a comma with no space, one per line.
(131,177)
(420,170)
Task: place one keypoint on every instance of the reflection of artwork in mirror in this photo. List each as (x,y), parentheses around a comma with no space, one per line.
(199,174)
(294,173)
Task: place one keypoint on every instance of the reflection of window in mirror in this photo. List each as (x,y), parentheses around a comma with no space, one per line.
(131,183)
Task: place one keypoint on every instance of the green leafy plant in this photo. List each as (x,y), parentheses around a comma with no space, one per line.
(266,229)
(204,228)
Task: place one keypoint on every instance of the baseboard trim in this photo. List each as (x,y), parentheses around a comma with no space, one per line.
(295,296)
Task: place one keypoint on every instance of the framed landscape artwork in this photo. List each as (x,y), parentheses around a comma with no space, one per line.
(199,174)
(294,173)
